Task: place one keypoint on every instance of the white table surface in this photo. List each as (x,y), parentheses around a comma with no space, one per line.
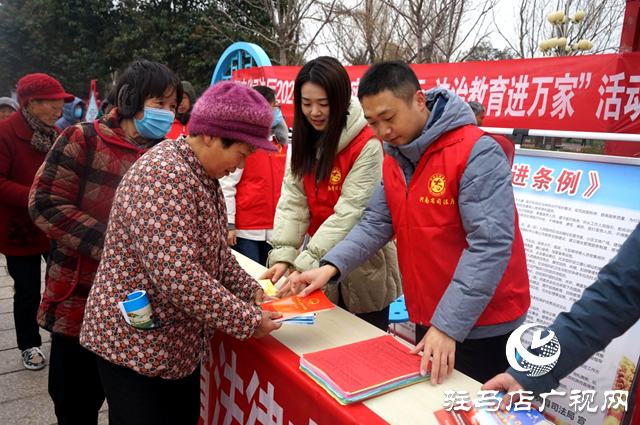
(406,406)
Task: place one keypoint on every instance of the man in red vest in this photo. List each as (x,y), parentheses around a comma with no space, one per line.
(446,196)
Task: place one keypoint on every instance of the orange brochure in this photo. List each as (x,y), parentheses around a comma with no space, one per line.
(366,364)
(294,305)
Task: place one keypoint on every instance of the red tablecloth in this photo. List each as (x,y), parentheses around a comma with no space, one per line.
(260,382)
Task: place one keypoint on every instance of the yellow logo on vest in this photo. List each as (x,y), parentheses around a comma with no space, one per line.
(280,153)
(336,176)
(437,185)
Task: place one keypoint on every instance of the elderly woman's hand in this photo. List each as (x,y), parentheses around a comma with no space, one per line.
(259,297)
(267,325)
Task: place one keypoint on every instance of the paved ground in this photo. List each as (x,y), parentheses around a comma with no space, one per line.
(23,393)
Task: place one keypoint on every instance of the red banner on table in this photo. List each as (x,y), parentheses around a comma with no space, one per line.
(260,382)
(597,93)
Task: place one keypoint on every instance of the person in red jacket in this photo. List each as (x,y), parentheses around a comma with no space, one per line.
(25,138)
(184,112)
(252,192)
(70,201)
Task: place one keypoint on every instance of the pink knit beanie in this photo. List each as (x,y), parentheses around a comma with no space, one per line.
(233,111)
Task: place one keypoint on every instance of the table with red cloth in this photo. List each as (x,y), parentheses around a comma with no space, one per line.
(259,381)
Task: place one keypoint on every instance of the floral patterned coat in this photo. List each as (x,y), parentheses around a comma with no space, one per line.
(167,234)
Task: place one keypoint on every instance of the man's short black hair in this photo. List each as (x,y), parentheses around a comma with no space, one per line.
(266,92)
(396,76)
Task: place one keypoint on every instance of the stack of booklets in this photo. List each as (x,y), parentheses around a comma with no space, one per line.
(359,371)
(299,311)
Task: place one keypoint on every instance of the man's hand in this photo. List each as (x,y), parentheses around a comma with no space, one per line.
(503,382)
(267,325)
(307,282)
(276,272)
(443,349)
(232,238)
(285,289)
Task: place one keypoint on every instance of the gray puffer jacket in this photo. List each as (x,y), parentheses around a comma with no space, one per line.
(487,210)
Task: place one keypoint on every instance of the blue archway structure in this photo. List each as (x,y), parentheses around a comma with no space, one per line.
(239,55)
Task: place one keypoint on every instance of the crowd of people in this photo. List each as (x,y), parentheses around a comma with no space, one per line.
(394,191)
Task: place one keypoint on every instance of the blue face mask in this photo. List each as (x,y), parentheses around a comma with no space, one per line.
(155,124)
(278,117)
(77,113)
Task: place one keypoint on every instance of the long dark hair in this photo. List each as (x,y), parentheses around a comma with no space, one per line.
(329,74)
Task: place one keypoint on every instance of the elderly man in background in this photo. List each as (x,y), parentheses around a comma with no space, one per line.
(478,111)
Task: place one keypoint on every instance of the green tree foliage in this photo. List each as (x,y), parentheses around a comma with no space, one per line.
(484,51)
(59,38)
(79,40)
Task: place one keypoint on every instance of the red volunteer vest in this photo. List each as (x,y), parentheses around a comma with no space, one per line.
(259,189)
(431,238)
(176,130)
(325,196)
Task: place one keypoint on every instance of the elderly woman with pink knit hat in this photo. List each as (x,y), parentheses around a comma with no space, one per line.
(167,235)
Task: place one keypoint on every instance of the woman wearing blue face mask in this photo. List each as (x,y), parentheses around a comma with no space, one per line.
(70,200)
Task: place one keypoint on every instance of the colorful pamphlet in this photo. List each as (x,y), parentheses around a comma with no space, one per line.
(485,415)
(267,287)
(365,369)
(137,310)
(295,306)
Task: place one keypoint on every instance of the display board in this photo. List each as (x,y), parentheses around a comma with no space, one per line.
(575,212)
(92,109)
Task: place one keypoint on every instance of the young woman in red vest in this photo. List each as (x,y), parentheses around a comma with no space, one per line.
(336,164)
(252,192)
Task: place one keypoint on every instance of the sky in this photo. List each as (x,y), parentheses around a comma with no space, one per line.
(503,8)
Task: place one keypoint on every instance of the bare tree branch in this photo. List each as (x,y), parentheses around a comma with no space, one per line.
(287,18)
